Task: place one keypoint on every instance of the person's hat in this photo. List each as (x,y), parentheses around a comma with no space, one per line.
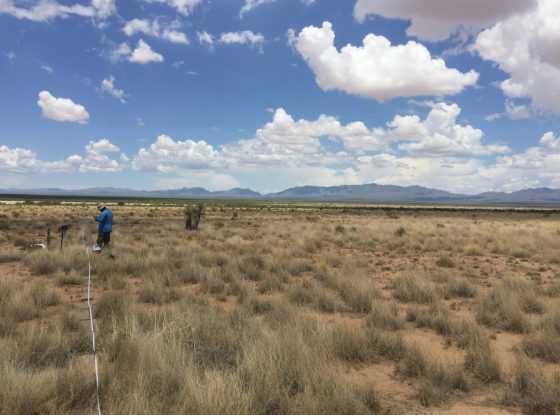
(100,205)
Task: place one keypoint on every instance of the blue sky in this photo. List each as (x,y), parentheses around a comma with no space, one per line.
(256,93)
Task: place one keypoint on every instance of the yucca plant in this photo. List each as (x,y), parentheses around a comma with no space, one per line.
(193,214)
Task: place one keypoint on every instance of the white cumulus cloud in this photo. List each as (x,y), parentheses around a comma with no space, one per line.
(46,10)
(144,54)
(537,166)
(166,31)
(437,150)
(378,69)
(61,109)
(184,7)
(104,8)
(437,20)
(525,46)
(245,37)
(440,135)
(95,159)
(167,154)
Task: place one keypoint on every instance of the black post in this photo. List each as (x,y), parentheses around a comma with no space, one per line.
(48,238)
(62,229)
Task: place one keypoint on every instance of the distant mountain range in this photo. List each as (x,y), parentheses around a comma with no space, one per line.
(372,193)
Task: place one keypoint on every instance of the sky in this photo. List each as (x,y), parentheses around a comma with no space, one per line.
(269,94)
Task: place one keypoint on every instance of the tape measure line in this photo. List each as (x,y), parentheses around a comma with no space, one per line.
(92,326)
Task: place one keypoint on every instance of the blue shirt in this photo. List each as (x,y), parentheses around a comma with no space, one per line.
(105,220)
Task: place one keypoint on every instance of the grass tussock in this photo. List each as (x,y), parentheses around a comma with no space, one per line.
(439,380)
(384,316)
(533,390)
(481,361)
(435,317)
(505,306)
(355,345)
(356,290)
(445,261)
(543,343)
(460,287)
(312,294)
(479,357)
(409,289)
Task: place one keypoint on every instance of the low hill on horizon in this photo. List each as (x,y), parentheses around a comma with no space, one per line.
(372,193)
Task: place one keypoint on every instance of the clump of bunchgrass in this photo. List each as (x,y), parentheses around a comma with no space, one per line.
(504,306)
(533,390)
(445,261)
(409,289)
(435,317)
(460,287)
(439,379)
(543,343)
(384,316)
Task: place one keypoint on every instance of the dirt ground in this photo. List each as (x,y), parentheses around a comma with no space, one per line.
(418,275)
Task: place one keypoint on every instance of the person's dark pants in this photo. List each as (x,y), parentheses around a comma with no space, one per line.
(103,239)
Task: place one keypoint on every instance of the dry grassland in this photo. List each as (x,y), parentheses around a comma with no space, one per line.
(286,312)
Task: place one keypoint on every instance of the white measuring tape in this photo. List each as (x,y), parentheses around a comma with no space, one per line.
(93,333)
